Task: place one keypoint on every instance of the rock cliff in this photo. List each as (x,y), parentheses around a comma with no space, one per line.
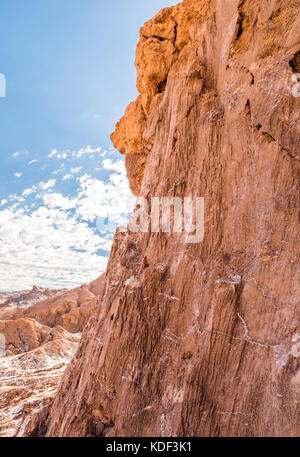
(201,339)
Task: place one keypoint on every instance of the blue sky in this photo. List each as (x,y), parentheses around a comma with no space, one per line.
(69,68)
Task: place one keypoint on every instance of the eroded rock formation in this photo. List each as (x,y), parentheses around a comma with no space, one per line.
(27,298)
(199,340)
(29,381)
(40,340)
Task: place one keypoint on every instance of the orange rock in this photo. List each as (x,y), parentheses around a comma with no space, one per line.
(199,340)
(71,310)
(24,335)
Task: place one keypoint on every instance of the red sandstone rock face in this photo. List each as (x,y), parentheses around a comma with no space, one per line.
(199,340)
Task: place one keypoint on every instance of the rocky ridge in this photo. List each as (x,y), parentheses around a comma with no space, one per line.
(40,340)
(27,298)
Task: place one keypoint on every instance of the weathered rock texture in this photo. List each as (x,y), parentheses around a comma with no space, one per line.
(70,310)
(29,381)
(40,340)
(199,340)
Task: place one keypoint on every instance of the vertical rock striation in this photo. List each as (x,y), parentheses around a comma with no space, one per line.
(199,340)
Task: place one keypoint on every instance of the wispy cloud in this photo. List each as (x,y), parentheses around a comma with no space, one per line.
(30,191)
(52,153)
(47,185)
(61,169)
(75,154)
(88,150)
(76,170)
(68,177)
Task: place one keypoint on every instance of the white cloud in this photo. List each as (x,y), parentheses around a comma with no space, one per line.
(28,192)
(61,169)
(63,155)
(68,177)
(48,185)
(76,154)
(3,202)
(76,170)
(58,201)
(16,154)
(32,162)
(52,153)
(118,166)
(15,197)
(59,251)
(18,175)
(54,241)
(59,156)
(99,199)
(73,171)
(88,150)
